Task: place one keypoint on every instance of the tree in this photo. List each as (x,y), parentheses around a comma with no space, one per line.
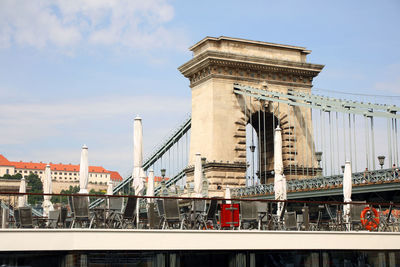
(36,187)
(63,199)
(94,192)
(16,176)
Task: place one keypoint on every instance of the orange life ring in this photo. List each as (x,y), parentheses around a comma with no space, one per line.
(370,218)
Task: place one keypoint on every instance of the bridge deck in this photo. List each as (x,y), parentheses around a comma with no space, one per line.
(94,239)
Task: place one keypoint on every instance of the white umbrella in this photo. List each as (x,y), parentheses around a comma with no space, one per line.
(47,189)
(110,189)
(22,200)
(198,176)
(279,179)
(138,173)
(84,171)
(347,186)
(228,194)
(150,187)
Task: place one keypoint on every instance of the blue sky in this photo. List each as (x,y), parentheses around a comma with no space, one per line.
(78,72)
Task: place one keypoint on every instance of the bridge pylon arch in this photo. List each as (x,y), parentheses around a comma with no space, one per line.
(219,117)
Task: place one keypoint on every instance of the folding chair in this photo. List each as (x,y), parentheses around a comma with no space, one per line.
(199,213)
(211,217)
(4,218)
(63,217)
(114,214)
(129,214)
(25,217)
(248,215)
(262,211)
(54,218)
(355,213)
(172,214)
(160,212)
(290,221)
(152,216)
(81,215)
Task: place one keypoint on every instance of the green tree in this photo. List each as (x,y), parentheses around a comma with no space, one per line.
(63,199)
(36,187)
(94,192)
(16,176)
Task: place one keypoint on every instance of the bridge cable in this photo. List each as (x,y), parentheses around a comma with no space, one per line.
(259,141)
(265,145)
(355,141)
(372,142)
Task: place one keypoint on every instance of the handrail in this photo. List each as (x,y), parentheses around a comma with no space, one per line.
(321,182)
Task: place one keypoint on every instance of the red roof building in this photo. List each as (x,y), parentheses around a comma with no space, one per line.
(59,172)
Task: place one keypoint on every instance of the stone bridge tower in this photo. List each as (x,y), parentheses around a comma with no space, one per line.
(219,117)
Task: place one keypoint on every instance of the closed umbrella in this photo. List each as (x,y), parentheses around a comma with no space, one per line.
(279,179)
(347,187)
(228,194)
(138,173)
(198,176)
(47,189)
(22,200)
(110,188)
(84,171)
(150,186)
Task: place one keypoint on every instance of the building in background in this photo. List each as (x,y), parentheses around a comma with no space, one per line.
(63,175)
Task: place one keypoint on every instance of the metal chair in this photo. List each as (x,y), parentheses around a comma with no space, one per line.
(355,213)
(128,216)
(262,211)
(248,215)
(54,218)
(199,214)
(152,216)
(63,217)
(114,213)
(211,217)
(4,218)
(81,215)
(25,217)
(173,217)
(305,225)
(290,221)
(160,212)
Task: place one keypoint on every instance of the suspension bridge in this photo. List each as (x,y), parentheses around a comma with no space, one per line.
(239,97)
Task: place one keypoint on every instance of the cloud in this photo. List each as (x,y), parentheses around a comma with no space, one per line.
(68,24)
(25,122)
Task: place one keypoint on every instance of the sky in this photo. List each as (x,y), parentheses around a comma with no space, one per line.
(78,72)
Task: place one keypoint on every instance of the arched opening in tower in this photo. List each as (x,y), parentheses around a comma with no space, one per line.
(260,147)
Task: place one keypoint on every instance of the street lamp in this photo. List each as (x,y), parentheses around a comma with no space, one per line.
(318,155)
(381,161)
(252,149)
(342,168)
(163,186)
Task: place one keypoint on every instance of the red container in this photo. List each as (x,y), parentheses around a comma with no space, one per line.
(229,215)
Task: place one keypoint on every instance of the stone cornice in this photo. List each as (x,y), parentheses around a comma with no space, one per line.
(211,64)
(219,165)
(248,62)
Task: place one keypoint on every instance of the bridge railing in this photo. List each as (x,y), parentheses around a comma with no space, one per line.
(323,182)
(187,213)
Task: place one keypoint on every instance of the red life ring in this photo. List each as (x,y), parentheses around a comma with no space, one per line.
(370,218)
